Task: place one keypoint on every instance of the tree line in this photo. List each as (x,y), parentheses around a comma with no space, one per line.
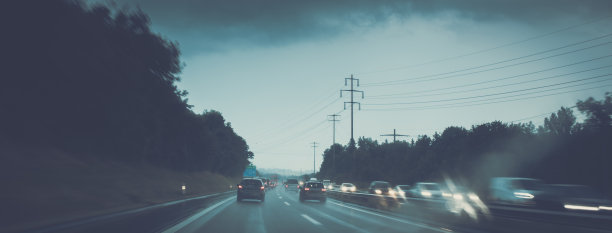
(562,150)
(95,80)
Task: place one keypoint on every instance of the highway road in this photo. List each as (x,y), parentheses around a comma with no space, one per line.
(282,212)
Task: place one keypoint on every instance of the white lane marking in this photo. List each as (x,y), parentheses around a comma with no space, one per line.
(315,222)
(391,218)
(287,203)
(182,224)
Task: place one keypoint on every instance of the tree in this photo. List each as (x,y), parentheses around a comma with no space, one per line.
(561,123)
(598,113)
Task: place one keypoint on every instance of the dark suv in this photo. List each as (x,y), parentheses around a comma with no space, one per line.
(313,191)
(379,187)
(251,189)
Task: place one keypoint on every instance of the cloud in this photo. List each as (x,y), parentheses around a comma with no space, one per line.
(213,23)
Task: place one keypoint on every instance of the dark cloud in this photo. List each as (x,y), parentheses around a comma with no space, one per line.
(213,23)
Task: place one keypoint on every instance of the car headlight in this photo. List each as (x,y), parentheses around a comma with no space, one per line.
(353,189)
(378,191)
(426,193)
(448,195)
(523,195)
(580,207)
(609,208)
(473,197)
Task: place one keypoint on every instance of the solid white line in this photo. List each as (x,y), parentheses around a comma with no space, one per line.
(287,203)
(315,222)
(392,218)
(182,224)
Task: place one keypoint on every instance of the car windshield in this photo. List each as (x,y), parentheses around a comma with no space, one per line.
(432,187)
(251,182)
(216,115)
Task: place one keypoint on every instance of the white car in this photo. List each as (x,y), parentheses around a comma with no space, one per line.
(515,190)
(348,187)
(426,190)
(328,184)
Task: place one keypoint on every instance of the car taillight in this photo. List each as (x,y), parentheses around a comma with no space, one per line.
(286,186)
(323,190)
(239,186)
(262,187)
(306,189)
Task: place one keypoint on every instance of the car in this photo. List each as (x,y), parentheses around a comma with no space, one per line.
(427,190)
(292,185)
(348,187)
(571,197)
(402,190)
(380,187)
(328,184)
(515,190)
(313,190)
(250,188)
(464,202)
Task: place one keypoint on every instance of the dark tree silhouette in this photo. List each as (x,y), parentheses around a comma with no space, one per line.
(94,80)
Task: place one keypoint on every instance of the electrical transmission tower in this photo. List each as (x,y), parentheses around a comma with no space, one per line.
(314,149)
(394,135)
(352,102)
(333,120)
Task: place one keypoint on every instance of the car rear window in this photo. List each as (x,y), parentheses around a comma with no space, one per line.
(251,182)
(292,181)
(314,185)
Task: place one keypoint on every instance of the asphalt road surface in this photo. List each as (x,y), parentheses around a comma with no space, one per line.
(282,212)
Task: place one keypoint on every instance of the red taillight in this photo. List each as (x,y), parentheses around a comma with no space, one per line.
(298,186)
(323,190)
(239,186)
(262,187)
(286,186)
(306,189)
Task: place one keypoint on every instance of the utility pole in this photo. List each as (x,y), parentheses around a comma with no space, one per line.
(394,135)
(333,120)
(352,102)
(314,148)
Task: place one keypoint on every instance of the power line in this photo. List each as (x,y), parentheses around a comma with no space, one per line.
(497,86)
(489,49)
(469,103)
(352,102)
(292,121)
(501,79)
(426,78)
(494,94)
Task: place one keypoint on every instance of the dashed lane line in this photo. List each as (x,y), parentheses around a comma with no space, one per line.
(315,222)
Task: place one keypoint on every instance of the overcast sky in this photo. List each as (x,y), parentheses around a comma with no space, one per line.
(275,68)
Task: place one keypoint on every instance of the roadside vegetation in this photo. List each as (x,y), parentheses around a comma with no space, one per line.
(562,150)
(91,118)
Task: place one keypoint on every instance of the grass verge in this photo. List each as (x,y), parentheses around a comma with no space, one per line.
(43,187)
